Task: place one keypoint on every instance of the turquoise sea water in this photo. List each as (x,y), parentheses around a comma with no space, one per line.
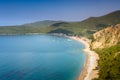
(40,57)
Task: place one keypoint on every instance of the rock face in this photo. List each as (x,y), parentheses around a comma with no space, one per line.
(107,37)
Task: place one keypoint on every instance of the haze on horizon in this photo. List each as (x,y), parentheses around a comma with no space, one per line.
(16,12)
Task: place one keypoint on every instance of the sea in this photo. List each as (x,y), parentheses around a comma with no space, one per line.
(40,57)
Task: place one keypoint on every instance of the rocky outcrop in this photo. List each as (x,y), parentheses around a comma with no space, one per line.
(107,37)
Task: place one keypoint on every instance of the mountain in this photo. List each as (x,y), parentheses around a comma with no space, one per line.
(84,28)
(91,25)
(102,21)
(97,22)
(106,37)
(44,23)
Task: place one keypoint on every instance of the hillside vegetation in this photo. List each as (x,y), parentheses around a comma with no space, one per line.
(109,63)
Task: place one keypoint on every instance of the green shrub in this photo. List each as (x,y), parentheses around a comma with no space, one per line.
(109,63)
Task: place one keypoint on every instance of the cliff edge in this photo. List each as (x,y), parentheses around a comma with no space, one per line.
(106,37)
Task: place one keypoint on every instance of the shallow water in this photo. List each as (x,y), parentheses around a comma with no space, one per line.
(40,57)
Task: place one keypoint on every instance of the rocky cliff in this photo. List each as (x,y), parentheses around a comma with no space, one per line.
(107,37)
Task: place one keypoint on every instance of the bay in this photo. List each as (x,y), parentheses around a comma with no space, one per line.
(40,57)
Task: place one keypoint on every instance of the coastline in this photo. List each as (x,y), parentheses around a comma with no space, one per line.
(89,70)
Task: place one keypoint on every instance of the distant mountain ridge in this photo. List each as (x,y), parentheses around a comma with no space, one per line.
(90,25)
(86,27)
(44,23)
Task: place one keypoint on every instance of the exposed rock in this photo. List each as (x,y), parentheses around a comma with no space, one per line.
(107,37)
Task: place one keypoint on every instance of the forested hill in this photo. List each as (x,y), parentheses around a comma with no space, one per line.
(106,43)
(85,28)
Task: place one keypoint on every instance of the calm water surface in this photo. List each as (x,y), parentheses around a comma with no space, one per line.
(40,57)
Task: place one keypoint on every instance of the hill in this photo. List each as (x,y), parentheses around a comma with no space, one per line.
(106,43)
(44,23)
(92,24)
(83,28)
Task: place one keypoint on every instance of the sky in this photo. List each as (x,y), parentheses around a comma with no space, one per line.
(17,12)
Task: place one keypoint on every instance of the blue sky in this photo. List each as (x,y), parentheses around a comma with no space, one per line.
(16,12)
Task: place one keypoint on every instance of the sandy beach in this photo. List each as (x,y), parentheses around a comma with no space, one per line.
(89,71)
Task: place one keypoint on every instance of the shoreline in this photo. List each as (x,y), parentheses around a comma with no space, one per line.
(89,70)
